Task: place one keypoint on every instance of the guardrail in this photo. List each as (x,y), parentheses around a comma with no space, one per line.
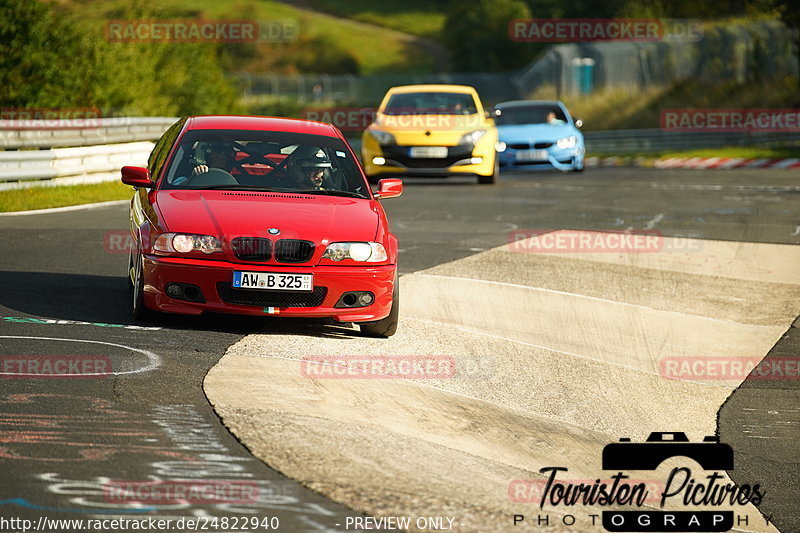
(656,140)
(83,132)
(99,147)
(63,162)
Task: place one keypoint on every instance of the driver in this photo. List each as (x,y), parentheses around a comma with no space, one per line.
(216,155)
(310,172)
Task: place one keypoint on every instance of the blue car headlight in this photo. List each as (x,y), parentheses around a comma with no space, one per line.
(567,142)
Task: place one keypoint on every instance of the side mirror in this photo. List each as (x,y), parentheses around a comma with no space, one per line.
(578,123)
(137,177)
(389,188)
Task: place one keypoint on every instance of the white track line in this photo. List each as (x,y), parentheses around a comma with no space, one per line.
(571,354)
(64,209)
(593,298)
(155,360)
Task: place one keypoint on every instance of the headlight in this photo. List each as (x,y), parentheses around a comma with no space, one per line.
(170,243)
(382,137)
(567,142)
(363,252)
(472,137)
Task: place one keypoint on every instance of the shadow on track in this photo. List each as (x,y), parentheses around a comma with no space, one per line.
(107,299)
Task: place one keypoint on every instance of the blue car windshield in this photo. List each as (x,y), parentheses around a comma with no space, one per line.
(530,114)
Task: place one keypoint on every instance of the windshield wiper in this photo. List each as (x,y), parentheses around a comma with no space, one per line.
(333,193)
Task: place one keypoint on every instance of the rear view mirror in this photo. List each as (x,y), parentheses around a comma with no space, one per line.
(389,188)
(137,177)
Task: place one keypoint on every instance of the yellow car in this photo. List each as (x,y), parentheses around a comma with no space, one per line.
(431,131)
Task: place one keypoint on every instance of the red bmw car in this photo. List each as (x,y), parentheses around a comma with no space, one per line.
(261,216)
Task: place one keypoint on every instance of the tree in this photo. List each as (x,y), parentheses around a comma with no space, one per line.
(477,35)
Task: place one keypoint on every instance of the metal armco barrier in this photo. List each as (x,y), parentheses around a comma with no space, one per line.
(656,140)
(98,148)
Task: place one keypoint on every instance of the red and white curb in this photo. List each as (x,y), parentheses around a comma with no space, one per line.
(724,163)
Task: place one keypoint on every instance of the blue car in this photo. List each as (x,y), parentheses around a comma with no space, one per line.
(538,133)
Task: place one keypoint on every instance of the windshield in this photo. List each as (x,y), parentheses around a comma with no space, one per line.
(259,160)
(530,114)
(433,103)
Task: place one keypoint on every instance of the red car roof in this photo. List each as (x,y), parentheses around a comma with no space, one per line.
(231,122)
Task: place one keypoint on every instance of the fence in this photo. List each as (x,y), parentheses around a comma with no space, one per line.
(758,50)
(736,52)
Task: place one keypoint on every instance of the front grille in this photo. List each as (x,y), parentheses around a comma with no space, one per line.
(526,146)
(293,251)
(252,248)
(260,298)
(400,154)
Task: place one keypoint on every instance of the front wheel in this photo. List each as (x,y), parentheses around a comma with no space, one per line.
(491,180)
(388,326)
(140,310)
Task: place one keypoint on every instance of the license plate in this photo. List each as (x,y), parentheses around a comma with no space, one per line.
(428,152)
(273,281)
(532,155)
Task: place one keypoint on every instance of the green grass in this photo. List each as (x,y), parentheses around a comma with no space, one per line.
(375,49)
(747,152)
(417,17)
(44,197)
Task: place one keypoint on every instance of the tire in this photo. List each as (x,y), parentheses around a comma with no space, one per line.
(140,310)
(130,269)
(388,326)
(491,180)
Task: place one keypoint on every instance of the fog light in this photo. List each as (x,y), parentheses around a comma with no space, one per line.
(476,160)
(355,299)
(378,161)
(174,290)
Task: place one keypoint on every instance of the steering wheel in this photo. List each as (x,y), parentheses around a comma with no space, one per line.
(214,176)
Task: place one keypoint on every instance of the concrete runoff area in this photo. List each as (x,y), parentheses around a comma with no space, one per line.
(555,356)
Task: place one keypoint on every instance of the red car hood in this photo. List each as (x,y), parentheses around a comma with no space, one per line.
(229,214)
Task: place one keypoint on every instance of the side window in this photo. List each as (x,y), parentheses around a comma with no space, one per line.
(162,148)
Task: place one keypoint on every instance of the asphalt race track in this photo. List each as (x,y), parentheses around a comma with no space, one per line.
(564,352)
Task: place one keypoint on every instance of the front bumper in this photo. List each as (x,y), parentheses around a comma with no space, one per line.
(206,275)
(564,159)
(466,160)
